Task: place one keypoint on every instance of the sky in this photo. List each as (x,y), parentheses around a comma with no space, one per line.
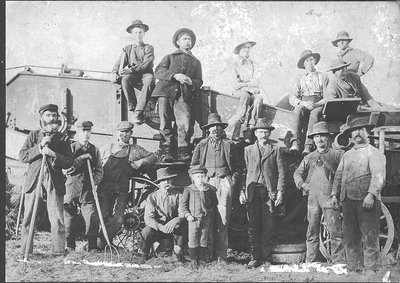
(90,35)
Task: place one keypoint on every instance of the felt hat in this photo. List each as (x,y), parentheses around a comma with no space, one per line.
(213,120)
(342,35)
(48,107)
(165,174)
(197,169)
(85,125)
(304,55)
(263,123)
(354,122)
(137,24)
(337,64)
(182,31)
(244,44)
(124,126)
(320,128)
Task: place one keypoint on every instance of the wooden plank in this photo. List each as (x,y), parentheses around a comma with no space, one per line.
(391,199)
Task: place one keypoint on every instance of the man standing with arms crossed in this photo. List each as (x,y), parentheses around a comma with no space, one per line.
(315,177)
(358,183)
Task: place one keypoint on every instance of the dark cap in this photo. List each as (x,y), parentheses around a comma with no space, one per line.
(124,126)
(48,107)
(197,169)
(165,174)
(85,125)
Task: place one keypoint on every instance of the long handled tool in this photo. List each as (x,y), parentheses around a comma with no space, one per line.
(29,240)
(110,248)
(21,203)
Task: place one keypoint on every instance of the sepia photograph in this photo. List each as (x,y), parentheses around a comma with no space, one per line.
(202,141)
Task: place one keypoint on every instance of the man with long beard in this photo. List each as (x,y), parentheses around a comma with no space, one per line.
(216,154)
(56,147)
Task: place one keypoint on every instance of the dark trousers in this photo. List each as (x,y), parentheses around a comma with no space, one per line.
(301,113)
(261,224)
(151,235)
(130,82)
(72,200)
(361,234)
(112,204)
(180,112)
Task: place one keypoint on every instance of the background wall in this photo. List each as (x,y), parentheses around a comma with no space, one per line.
(90,35)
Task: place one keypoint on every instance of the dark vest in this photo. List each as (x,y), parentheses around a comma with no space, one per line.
(216,163)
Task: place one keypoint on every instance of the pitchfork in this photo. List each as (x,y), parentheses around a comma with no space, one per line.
(108,248)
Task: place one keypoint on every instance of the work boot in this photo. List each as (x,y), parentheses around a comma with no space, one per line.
(183,154)
(144,257)
(295,147)
(307,149)
(194,258)
(236,131)
(138,118)
(254,263)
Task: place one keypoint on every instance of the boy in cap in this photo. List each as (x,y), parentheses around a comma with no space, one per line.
(347,84)
(162,217)
(198,206)
(217,154)
(247,89)
(120,160)
(315,177)
(135,69)
(358,183)
(180,78)
(265,185)
(307,98)
(56,147)
(79,188)
(360,62)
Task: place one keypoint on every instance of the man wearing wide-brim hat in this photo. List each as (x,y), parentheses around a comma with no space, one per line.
(307,98)
(55,146)
(121,160)
(347,84)
(314,177)
(180,78)
(246,88)
(359,61)
(265,185)
(134,69)
(79,189)
(218,155)
(358,183)
(162,218)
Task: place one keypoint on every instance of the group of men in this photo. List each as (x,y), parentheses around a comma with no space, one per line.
(201,213)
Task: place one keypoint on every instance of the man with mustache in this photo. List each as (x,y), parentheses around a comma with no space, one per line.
(180,78)
(217,155)
(265,186)
(347,84)
(56,147)
(315,177)
(358,183)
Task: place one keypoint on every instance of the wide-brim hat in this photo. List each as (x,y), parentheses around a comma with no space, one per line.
(85,125)
(137,23)
(304,55)
(197,169)
(181,31)
(241,45)
(355,122)
(337,64)
(125,125)
(263,123)
(320,128)
(48,107)
(342,35)
(164,174)
(213,120)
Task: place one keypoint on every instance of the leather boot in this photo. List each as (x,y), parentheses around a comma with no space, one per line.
(308,148)
(138,118)
(236,131)
(194,257)
(295,147)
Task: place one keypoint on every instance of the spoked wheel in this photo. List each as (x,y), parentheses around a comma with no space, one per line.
(386,234)
(130,233)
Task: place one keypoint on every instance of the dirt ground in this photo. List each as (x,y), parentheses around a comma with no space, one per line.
(43,267)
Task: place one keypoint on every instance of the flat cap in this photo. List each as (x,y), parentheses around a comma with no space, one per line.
(124,126)
(197,169)
(48,107)
(85,125)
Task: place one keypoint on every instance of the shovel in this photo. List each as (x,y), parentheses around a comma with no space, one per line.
(108,248)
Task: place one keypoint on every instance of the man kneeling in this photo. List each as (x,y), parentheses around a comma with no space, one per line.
(161,217)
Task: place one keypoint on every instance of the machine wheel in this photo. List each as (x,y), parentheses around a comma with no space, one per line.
(128,237)
(386,234)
